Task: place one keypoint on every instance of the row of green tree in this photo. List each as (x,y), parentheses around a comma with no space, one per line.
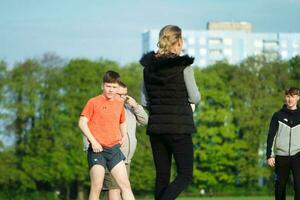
(41,146)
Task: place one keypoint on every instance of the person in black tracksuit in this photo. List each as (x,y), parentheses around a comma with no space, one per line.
(169,89)
(283,144)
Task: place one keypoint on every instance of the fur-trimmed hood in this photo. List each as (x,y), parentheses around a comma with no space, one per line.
(149,60)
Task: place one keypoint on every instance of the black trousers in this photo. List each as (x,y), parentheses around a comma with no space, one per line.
(163,148)
(283,166)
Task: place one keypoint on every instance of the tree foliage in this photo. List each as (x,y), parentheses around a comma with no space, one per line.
(41,103)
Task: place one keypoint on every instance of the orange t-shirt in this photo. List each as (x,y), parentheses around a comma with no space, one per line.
(105,117)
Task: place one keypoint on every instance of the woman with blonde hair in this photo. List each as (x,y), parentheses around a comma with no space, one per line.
(168,92)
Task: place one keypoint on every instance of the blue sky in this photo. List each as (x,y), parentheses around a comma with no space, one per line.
(112,29)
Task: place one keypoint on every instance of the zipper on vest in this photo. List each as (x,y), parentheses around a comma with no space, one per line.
(290,139)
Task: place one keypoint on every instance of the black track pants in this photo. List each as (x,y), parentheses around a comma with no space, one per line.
(283,166)
(163,148)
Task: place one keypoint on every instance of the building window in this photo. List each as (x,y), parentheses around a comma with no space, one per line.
(283,44)
(215,41)
(191,52)
(191,41)
(230,60)
(228,41)
(256,53)
(258,43)
(228,52)
(284,54)
(203,52)
(202,62)
(295,53)
(202,41)
(212,62)
(295,44)
(215,52)
(272,55)
(269,45)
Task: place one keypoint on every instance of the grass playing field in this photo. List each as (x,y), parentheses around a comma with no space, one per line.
(223,198)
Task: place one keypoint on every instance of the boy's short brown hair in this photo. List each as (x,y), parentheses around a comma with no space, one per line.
(111,77)
(292,91)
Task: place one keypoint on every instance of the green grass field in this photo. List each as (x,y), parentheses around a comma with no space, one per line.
(224,198)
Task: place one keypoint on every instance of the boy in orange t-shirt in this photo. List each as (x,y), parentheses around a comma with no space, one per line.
(102,121)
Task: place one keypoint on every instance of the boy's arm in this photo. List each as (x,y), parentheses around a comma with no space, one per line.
(123,130)
(83,125)
(273,128)
(138,110)
(141,115)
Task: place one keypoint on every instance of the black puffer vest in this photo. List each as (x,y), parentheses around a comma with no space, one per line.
(169,109)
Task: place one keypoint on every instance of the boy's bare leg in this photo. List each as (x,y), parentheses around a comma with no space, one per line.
(119,172)
(113,194)
(96,176)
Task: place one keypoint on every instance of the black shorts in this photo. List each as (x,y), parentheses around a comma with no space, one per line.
(108,158)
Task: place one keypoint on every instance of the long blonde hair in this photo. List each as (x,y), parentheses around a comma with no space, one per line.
(168,36)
